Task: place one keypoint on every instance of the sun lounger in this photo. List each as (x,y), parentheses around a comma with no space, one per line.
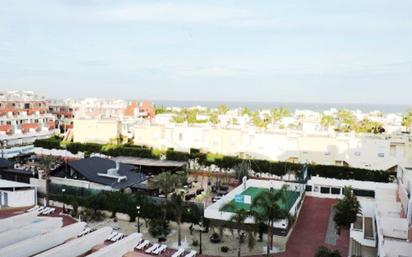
(117,237)
(84,232)
(112,235)
(178,253)
(45,211)
(51,211)
(143,245)
(160,250)
(152,248)
(33,208)
(191,254)
(39,210)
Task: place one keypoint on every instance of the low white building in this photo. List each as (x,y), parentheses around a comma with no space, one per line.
(16,194)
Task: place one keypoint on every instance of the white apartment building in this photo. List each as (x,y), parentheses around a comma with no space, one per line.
(24,117)
(363,151)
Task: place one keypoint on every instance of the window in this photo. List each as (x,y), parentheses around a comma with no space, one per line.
(335,190)
(180,136)
(308,188)
(369,234)
(358,225)
(364,193)
(357,153)
(26,106)
(325,190)
(381,155)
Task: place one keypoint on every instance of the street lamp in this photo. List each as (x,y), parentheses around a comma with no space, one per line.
(63,190)
(138,218)
(200,235)
(3,143)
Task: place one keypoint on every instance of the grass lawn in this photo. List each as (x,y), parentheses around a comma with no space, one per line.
(291,197)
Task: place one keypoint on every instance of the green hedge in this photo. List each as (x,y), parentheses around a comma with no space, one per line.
(49,143)
(151,207)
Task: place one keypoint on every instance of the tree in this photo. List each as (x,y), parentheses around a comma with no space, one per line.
(242,170)
(346,120)
(222,109)
(258,121)
(237,223)
(246,111)
(326,252)
(279,113)
(267,209)
(327,121)
(166,182)
(177,206)
(159,227)
(407,120)
(213,118)
(368,126)
(346,209)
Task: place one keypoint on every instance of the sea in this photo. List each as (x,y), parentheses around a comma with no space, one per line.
(384,108)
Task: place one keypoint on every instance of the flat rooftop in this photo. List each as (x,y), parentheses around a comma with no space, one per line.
(148,162)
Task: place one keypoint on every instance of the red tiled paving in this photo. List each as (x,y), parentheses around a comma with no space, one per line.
(67,219)
(9,212)
(310,230)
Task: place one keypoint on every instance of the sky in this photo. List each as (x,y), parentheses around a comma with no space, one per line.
(323,51)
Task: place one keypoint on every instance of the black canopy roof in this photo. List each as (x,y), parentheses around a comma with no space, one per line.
(91,167)
(4,163)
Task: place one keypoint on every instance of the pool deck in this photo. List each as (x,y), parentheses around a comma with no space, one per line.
(291,198)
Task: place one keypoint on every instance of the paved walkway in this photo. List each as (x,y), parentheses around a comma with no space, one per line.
(311,228)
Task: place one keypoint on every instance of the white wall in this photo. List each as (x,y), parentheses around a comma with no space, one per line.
(19,198)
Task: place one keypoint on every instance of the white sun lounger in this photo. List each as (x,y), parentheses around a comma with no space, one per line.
(84,232)
(33,208)
(191,254)
(39,210)
(45,211)
(160,250)
(143,245)
(51,211)
(178,253)
(113,234)
(152,248)
(117,237)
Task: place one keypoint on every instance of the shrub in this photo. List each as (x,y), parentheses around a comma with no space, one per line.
(49,143)
(195,242)
(224,249)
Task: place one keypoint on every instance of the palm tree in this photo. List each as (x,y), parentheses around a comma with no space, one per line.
(347,210)
(328,121)
(266,208)
(177,206)
(407,120)
(279,113)
(166,182)
(237,222)
(326,252)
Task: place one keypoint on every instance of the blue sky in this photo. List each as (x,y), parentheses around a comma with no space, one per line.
(351,51)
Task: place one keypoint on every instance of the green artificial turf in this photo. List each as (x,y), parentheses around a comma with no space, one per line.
(232,206)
